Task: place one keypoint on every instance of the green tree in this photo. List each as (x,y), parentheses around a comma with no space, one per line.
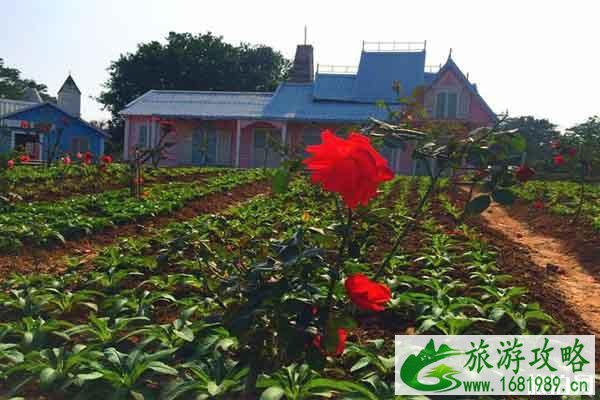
(585,138)
(12,85)
(538,133)
(190,62)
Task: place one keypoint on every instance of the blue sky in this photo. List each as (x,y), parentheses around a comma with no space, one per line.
(527,57)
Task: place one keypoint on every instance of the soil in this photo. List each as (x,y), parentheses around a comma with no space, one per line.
(560,275)
(578,239)
(53,260)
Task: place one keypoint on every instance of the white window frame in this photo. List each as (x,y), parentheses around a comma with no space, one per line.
(145,130)
(446,93)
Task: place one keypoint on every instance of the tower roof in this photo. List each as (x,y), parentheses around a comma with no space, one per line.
(69,82)
(32,95)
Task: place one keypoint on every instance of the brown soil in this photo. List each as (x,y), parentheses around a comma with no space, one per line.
(551,268)
(579,240)
(53,260)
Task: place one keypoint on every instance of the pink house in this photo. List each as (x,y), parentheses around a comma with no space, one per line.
(243,129)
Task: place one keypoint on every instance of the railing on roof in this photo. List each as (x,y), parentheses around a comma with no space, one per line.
(336,69)
(394,46)
(433,68)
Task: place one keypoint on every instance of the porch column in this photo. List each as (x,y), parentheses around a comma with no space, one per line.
(126,140)
(238,137)
(284,139)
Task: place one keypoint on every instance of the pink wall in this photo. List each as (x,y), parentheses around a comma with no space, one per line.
(178,154)
(478,115)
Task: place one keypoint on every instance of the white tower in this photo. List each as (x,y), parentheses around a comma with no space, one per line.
(69,97)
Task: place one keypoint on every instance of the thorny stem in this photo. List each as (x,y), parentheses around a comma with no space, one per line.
(340,258)
(409,226)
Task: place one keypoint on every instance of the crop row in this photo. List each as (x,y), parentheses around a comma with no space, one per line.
(563,198)
(45,223)
(188,311)
(39,183)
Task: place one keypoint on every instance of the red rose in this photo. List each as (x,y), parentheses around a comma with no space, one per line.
(341,342)
(350,167)
(366,294)
(524,173)
(106,159)
(79,155)
(538,204)
(559,159)
(66,160)
(24,158)
(87,157)
(572,152)
(10,164)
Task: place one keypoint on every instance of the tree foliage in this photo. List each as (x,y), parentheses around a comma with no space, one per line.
(12,85)
(585,137)
(191,62)
(538,133)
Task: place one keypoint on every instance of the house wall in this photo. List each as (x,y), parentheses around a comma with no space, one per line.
(181,152)
(72,129)
(470,108)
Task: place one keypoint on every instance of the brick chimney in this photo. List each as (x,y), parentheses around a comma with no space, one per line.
(303,68)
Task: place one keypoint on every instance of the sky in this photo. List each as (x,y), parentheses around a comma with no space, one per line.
(527,57)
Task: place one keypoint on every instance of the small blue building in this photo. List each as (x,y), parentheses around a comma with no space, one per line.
(35,126)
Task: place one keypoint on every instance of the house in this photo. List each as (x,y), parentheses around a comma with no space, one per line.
(239,128)
(36,127)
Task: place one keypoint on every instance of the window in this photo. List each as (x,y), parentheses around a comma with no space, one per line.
(143,137)
(311,136)
(80,144)
(267,143)
(446,105)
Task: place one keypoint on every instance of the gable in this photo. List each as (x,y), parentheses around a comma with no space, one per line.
(48,112)
(470,105)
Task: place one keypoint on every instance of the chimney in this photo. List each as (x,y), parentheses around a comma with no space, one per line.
(303,68)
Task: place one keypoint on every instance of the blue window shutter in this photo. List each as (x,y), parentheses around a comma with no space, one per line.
(440,105)
(452,105)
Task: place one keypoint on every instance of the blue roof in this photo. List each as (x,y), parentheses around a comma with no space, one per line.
(429,77)
(295,101)
(202,104)
(350,98)
(375,78)
(377,72)
(54,108)
(334,87)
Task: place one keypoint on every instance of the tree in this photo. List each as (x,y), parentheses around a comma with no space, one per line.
(12,86)
(538,133)
(191,62)
(585,139)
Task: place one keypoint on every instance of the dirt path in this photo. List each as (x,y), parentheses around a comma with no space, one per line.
(559,270)
(54,260)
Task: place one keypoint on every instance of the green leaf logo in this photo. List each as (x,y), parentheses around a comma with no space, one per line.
(412,366)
